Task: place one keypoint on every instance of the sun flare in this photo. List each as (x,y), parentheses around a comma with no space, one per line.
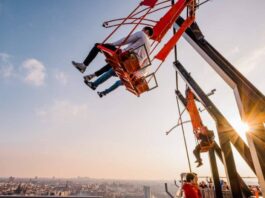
(241,127)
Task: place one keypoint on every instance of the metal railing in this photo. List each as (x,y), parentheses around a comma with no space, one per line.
(209,193)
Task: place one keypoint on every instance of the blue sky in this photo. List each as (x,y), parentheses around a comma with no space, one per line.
(53,125)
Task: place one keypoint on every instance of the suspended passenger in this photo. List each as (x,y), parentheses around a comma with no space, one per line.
(134,42)
(205,139)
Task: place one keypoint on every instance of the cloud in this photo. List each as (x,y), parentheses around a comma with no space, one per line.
(4,57)
(256,58)
(61,77)
(6,67)
(62,111)
(35,72)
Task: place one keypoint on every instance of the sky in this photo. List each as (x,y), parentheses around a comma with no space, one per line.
(51,124)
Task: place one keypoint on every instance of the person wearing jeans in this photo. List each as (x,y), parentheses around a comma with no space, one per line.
(134,42)
(204,140)
(102,79)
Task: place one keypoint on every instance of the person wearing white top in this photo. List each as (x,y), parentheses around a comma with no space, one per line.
(135,42)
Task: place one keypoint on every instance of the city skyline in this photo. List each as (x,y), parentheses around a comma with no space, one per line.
(53,125)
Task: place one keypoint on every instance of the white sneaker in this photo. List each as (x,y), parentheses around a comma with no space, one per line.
(80,66)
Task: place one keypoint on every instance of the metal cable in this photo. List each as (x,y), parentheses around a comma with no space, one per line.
(180,118)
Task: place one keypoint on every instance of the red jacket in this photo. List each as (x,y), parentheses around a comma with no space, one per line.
(191,191)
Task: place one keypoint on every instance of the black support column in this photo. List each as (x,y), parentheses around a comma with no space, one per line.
(215,174)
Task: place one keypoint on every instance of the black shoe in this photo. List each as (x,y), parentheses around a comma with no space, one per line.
(199,164)
(198,160)
(90,84)
(101,94)
(89,77)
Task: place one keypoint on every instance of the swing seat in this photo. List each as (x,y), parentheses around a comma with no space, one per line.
(206,146)
(141,85)
(129,61)
(125,64)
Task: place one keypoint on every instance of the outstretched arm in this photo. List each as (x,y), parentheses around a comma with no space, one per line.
(132,38)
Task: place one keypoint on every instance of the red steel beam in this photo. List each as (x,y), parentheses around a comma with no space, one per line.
(166,22)
(163,53)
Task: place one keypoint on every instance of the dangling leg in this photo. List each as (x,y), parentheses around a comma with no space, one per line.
(197,155)
(101,79)
(103,70)
(90,57)
(111,88)
(97,73)
(94,52)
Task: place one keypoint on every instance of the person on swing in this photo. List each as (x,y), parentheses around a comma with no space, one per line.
(133,42)
(205,138)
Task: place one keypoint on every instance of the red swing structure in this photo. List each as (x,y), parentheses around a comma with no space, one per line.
(126,64)
(198,127)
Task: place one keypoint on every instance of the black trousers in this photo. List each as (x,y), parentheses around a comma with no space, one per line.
(103,70)
(197,153)
(92,55)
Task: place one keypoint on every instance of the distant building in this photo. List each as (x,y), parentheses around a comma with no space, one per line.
(147,192)
(11,179)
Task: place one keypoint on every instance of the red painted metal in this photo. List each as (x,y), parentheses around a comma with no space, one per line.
(163,2)
(125,66)
(121,24)
(160,29)
(131,23)
(106,50)
(158,9)
(163,53)
(138,23)
(108,24)
(193,111)
(152,50)
(150,3)
(166,22)
(197,125)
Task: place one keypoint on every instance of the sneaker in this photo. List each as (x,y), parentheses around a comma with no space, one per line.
(101,94)
(199,164)
(89,77)
(90,84)
(80,66)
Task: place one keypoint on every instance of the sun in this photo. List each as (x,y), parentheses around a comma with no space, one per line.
(241,128)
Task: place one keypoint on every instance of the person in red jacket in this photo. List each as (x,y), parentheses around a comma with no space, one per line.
(190,188)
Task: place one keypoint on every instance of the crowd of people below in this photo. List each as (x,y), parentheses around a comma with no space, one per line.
(255,189)
(192,188)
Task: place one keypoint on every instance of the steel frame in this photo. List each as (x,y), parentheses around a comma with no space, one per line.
(250,101)
(225,132)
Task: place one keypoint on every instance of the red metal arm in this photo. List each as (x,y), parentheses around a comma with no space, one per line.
(168,19)
(193,112)
(150,3)
(163,53)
